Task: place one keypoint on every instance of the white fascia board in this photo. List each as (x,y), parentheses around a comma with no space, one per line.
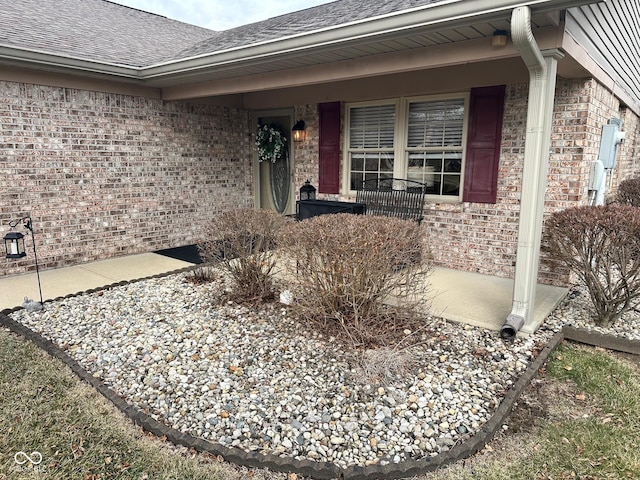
(447,13)
(55,62)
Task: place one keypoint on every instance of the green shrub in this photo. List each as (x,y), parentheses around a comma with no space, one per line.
(361,277)
(601,245)
(240,242)
(629,192)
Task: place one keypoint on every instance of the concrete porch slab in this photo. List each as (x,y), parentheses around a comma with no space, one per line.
(465,297)
(483,300)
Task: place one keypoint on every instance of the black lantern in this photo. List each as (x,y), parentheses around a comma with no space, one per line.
(307,191)
(14,245)
(298,131)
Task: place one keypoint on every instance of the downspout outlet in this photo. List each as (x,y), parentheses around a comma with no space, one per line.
(511,326)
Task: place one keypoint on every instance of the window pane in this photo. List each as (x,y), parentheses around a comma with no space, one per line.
(451,185)
(357,161)
(356,181)
(436,123)
(434,161)
(453,162)
(372,164)
(372,133)
(372,126)
(433,188)
(434,127)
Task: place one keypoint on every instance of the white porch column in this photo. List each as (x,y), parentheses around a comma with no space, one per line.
(542,69)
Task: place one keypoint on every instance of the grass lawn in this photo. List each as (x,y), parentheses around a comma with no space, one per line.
(579,419)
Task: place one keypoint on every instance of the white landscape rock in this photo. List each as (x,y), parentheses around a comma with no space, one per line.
(256,379)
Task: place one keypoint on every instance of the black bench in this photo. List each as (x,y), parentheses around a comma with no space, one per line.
(393,197)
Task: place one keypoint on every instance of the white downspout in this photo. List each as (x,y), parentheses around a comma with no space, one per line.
(542,82)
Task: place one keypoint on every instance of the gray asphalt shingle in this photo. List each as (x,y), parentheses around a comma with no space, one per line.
(303,21)
(100,30)
(95,30)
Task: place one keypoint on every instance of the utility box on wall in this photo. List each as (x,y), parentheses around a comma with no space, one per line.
(611,137)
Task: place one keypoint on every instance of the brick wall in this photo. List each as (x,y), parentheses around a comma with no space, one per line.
(628,153)
(105,174)
(306,153)
(483,238)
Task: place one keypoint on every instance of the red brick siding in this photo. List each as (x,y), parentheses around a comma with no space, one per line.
(105,174)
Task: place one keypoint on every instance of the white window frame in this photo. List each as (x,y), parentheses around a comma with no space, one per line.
(401,151)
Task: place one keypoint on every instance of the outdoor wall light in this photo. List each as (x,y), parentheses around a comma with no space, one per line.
(307,191)
(499,38)
(14,245)
(298,131)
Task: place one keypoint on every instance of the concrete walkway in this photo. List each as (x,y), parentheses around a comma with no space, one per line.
(79,278)
(480,300)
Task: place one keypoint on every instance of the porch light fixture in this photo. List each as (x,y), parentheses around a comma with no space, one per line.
(307,191)
(14,245)
(499,38)
(298,131)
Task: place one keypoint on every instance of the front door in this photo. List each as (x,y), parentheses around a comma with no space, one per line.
(275,178)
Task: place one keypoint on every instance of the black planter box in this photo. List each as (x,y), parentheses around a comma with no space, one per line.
(313,208)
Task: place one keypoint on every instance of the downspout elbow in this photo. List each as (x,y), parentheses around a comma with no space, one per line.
(511,326)
(525,43)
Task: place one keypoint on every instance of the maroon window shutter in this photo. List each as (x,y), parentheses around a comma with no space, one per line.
(329,148)
(486,107)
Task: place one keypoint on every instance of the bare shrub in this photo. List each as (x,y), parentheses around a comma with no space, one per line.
(601,245)
(240,243)
(629,192)
(360,277)
(384,365)
(201,274)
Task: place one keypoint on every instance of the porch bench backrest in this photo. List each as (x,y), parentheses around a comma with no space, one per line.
(392,197)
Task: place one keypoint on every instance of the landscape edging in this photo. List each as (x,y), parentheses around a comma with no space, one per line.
(308,468)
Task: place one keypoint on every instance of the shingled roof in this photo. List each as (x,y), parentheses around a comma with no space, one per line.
(102,31)
(96,30)
(329,15)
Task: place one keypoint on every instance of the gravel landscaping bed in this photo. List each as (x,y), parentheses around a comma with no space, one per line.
(256,379)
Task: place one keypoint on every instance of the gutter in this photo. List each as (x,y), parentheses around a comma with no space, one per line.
(542,81)
(64,63)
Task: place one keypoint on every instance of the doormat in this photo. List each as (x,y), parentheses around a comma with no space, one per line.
(187,253)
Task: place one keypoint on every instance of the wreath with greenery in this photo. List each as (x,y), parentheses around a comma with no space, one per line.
(271,143)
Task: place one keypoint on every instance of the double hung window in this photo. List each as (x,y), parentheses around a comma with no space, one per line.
(420,139)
